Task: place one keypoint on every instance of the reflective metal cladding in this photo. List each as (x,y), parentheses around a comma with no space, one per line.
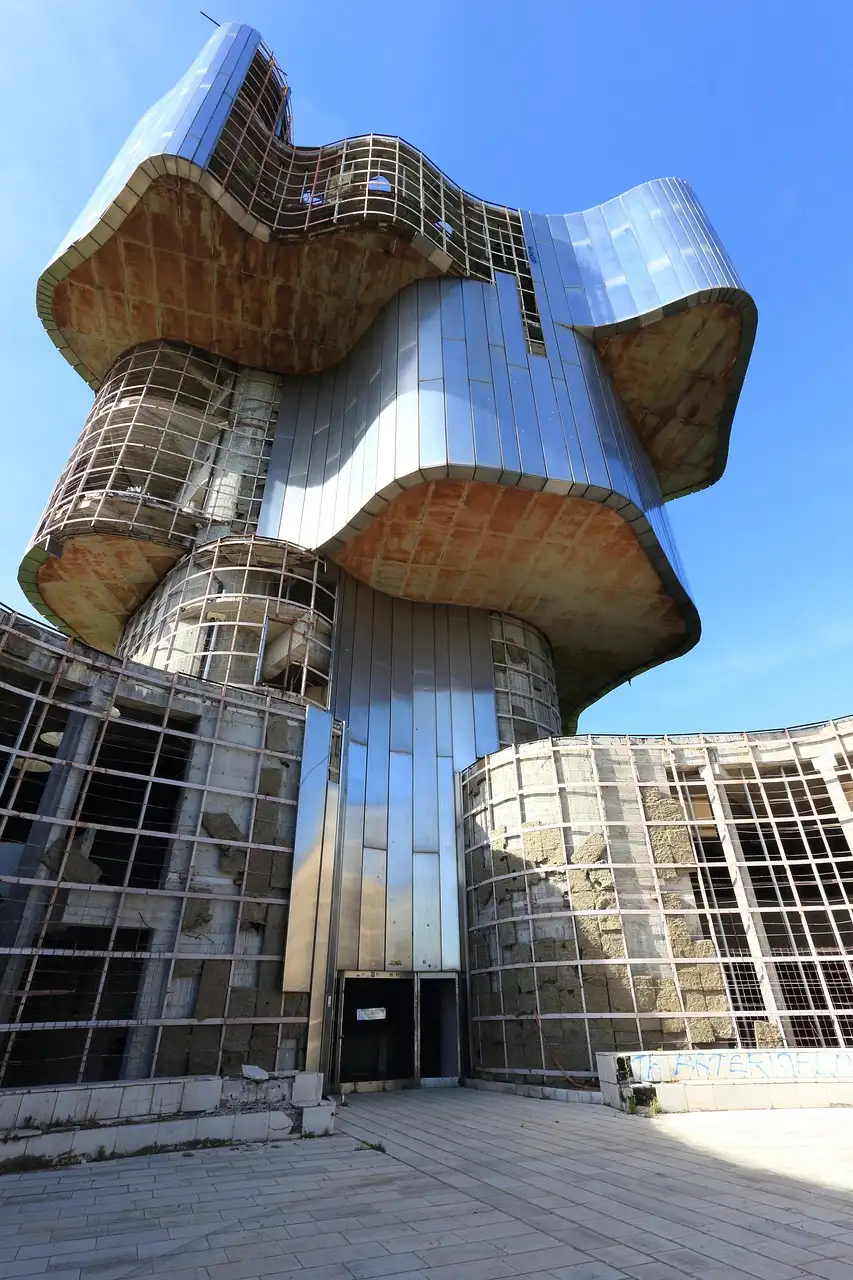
(370,447)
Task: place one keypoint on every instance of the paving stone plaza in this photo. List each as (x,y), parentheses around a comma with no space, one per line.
(470,1186)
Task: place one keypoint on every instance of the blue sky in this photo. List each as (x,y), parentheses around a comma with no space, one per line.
(551,106)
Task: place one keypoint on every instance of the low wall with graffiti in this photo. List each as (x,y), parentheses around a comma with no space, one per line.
(727,1080)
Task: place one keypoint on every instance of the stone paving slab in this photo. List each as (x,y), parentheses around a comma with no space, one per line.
(470,1185)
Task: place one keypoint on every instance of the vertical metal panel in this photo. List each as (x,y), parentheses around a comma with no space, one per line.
(402,670)
(310,528)
(355,764)
(431,402)
(448,866)
(427,912)
(487,448)
(432,426)
(564,253)
(596,469)
(650,197)
(291,516)
(373,401)
(452,319)
(328,501)
(429,331)
(686,251)
(361,355)
(461,695)
(483,684)
(443,712)
(359,700)
(317,1020)
(492,305)
(408,446)
(307,846)
(386,458)
(543,301)
(424,784)
(570,432)
(551,278)
(476,333)
(342,511)
(398,927)
(655,255)
(510,456)
(269,520)
(612,272)
(590,269)
(627,250)
(344,642)
(379,725)
(550,425)
(681,204)
(526,422)
(457,392)
(371,937)
(515,343)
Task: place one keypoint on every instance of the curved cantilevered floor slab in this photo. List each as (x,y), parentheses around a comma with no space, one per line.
(541,395)
(212,228)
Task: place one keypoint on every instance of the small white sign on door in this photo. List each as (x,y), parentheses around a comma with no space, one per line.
(369,1015)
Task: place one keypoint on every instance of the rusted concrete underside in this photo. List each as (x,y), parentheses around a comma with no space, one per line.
(572,567)
(179,267)
(100,580)
(674,377)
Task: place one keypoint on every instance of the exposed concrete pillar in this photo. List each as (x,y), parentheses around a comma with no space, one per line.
(826,767)
(240,446)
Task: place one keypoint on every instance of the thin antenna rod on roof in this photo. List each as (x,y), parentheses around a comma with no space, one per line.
(207,15)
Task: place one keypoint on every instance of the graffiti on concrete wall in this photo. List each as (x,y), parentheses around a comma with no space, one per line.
(709,1066)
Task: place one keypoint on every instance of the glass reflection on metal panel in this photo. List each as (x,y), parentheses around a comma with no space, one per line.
(476,333)
(359,699)
(432,408)
(457,391)
(448,867)
(483,682)
(371,937)
(401,677)
(425,785)
(565,256)
(398,944)
(510,456)
(307,847)
(514,340)
(550,427)
(429,331)
(351,857)
(527,426)
(378,738)
(652,247)
(443,712)
(461,696)
(427,912)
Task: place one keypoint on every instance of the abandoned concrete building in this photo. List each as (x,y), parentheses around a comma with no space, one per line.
(368,508)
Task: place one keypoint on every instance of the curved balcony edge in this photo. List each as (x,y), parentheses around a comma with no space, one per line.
(619,272)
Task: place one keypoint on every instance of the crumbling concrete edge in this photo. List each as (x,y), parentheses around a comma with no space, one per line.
(543,1092)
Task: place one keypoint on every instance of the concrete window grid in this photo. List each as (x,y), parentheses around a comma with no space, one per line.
(525,684)
(242,612)
(55,894)
(809,981)
(177,441)
(376,180)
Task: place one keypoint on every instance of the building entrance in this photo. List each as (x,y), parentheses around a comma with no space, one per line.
(397,1031)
